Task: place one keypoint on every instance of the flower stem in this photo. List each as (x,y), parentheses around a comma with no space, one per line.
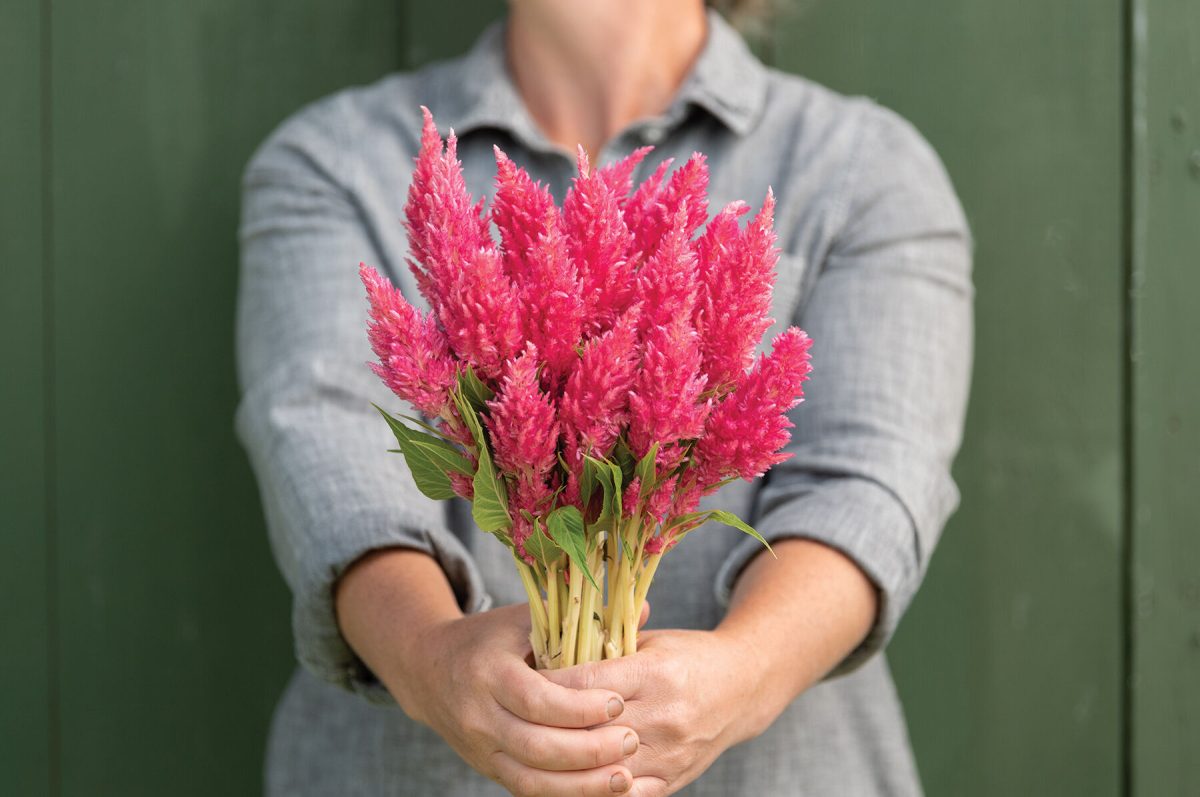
(537,614)
(553,620)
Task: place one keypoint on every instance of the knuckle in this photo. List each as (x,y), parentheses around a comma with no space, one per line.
(534,748)
(524,784)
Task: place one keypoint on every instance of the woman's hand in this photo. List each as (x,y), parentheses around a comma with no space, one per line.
(468,678)
(690,695)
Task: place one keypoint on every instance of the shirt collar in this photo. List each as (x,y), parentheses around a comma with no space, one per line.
(727,80)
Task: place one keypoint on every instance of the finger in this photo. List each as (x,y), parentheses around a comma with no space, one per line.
(533,697)
(645,614)
(619,675)
(522,780)
(565,749)
(649,786)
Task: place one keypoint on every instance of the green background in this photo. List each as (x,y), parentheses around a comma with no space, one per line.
(1055,646)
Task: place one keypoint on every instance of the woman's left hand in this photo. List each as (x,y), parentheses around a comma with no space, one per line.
(689,695)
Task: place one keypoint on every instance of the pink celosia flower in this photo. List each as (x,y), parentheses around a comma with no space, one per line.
(521,420)
(414,356)
(619,174)
(665,405)
(746,431)
(520,209)
(483,320)
(444,228)
(631,497)
(651,211)
(660,501)
(666,283)
(737,272)
(599,240)
(595,400)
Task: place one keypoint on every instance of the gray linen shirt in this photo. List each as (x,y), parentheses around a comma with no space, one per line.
(876,267)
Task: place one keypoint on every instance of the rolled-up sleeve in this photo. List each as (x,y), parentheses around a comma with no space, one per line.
(330,489)
(891,318)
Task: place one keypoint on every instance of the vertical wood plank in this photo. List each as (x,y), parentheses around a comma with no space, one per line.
(176,627)
(1165,287)
(1010,661)
(25,720)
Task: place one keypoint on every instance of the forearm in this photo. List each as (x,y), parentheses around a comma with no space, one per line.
(385,602)
(797,616)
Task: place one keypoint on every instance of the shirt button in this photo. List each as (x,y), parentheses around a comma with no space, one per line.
(653,134)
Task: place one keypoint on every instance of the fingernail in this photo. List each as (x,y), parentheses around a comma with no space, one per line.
(618,783)
(630,745)
(615,707)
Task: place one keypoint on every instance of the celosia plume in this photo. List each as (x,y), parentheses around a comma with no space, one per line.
(737,273)
(746,431)
(414,356)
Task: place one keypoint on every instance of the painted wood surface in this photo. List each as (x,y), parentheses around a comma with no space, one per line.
(151,624)
(1165,464)
(172,623)
(26,651)
(1010,660)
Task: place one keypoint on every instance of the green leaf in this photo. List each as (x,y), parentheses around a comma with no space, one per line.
(587,482)
(565,525)
(645,471)
(433,430)
(541,547)
(470,418)
(474,390)
(732,520)
(608,474)
(428,475)
(444,456)
(618,482)
(490,506)
(623,456)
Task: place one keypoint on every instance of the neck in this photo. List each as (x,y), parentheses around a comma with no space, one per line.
(586,70)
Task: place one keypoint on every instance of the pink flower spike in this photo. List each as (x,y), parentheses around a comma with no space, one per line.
(655,212)
(444,227)
(521,420)
(414,357)
(551,308)
(666,283)
(737,273)
(598,241)
(665,405)
(746,431)
(618,175)
(520,209)
(483,322)
(595,400)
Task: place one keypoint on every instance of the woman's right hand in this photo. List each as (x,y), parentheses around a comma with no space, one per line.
(468,678)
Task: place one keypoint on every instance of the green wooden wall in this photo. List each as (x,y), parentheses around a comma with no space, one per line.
(1055,646)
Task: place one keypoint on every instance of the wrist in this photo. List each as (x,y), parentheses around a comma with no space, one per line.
(795,616)
(389,606)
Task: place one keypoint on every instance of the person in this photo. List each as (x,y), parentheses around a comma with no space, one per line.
(755,675)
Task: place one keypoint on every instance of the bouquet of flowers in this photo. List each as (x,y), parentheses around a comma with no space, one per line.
(588,378)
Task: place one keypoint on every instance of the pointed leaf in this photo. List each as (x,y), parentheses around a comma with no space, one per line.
(474,390)
(645,471)
(565,525)
(445,457)
(732,520)
(490,506)
(428,475)
(541,547)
